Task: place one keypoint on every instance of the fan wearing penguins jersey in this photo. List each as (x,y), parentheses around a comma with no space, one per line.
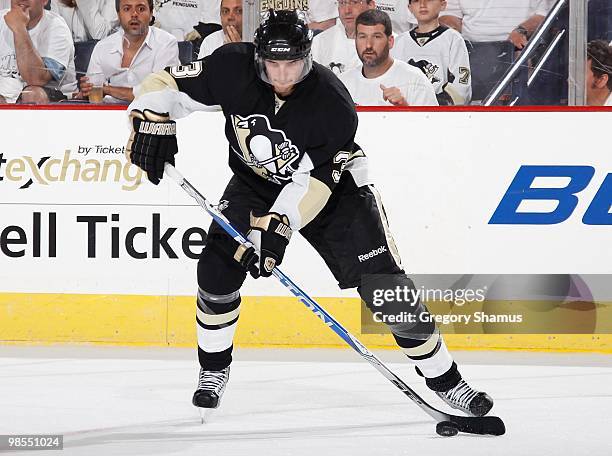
(290,124)
(438,51)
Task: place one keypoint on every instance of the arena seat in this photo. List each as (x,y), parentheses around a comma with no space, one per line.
(82,54)
(185,52)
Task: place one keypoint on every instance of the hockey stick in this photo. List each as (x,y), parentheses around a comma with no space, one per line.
(490,425)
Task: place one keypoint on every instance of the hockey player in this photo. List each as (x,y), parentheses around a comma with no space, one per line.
(438,51)
(290,124)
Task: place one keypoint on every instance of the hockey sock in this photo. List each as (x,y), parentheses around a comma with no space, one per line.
(431,356)
(217,317)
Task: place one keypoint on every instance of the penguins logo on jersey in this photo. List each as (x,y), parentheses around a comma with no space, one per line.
(337,68)
(429,69)
(268,152)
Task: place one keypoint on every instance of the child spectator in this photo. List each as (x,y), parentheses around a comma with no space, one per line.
(438,51)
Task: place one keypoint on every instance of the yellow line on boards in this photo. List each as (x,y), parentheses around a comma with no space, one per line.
(138,320)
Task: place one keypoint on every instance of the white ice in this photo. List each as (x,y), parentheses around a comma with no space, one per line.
(118,401)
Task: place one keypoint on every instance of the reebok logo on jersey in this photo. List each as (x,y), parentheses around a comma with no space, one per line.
(372,254)
(156,128)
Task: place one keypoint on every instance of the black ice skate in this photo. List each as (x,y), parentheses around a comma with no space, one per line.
(211,385)
(463,397)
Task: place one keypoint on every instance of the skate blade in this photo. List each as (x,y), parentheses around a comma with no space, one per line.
(205,414)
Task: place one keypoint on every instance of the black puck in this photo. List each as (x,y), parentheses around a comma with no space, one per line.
(447,429)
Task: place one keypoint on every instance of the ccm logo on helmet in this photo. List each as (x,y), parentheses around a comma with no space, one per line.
(280,49)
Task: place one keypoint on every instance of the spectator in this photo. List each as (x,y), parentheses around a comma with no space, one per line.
(495,20)
(335,47)
(599,73)
(87,19)
(381,80)
(179,17)
(231,28)
(321,14)
(402,19)
(438,51)
(127,56)
(36,54)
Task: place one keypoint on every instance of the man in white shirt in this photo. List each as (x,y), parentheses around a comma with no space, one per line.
(381,80)
(231,28)
(599,73)
(87,19)
(36,54)
(438,51)
(126,57)
(335,47)
(495,20)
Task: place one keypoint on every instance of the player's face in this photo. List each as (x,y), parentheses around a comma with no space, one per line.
(348,10)
(231,14)
(372,44)
(134,17)
(284,74)
(426,10)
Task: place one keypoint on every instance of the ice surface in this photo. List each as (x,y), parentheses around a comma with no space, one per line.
(117,401)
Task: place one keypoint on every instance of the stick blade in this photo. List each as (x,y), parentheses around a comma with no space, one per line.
(483,425)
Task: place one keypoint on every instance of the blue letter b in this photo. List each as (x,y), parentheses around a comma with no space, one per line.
(520,189)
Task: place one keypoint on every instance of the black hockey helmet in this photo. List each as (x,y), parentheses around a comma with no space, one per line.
(283,35)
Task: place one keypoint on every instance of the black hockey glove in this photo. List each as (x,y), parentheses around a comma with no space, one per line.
(247,257)
(271,232)
(152,142)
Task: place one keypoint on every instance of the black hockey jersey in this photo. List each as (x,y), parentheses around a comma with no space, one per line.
(292,151)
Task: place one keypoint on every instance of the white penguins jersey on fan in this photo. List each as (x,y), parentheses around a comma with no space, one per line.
(402,19)
(332,49)
(443,57)
(178,17)
(413,85)
(321,10)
